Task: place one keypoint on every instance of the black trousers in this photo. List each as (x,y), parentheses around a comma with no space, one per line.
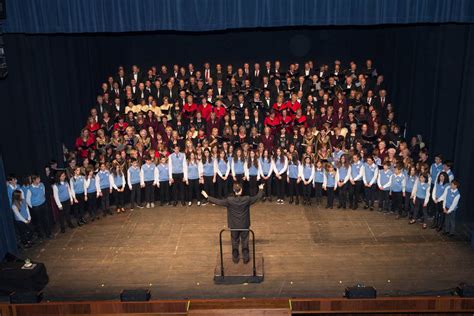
(370,195)
(40,220)
(307,190)
(280,186)
(450,223)
(267,190)
(149,192)
(253,185)
(419,207)
(135,195)
(240,237)
(25,231)
(209,185)
(193,189)
(330,192)
(119,198)
(343,194)
(92,204)
(65,214)
(293,188)
(318,191)
(397,202)
(440,216)
(355,193)
(79,208)
(239,177)
(230,181)
(431,204)
(178,187)
(164,192)
(105,201)
(384,200)
(408,204)
(222,187)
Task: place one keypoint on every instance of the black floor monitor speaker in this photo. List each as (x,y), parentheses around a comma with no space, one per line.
(136,295)
(361,292)
(26,297)
(465,290)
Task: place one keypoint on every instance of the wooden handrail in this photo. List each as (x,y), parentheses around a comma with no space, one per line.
(421,304)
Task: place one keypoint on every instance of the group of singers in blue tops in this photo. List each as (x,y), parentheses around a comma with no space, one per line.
(310,135)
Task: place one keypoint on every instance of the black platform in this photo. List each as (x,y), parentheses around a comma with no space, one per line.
(14,277)
(239,273)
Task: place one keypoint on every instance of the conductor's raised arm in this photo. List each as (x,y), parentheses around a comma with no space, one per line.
(257,197)
(214,200)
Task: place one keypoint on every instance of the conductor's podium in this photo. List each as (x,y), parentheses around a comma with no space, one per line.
(228,272)
(238,273)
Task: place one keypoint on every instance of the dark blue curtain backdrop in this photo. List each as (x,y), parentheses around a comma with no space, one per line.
(79,16)
(7,230)
(53,79)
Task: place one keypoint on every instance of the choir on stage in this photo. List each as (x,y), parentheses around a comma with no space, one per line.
(319,136)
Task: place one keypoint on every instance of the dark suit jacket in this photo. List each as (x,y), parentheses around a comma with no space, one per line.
(122,84)
(139,77)
(117,112)
(166,92)
(256,80)
(157,94)
(101,109)
(238,209)
(138,94)
(219,76)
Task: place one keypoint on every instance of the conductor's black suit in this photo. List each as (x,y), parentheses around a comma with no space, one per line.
(238,217)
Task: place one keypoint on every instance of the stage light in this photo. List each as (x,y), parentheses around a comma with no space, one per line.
(360,291)
(135,295)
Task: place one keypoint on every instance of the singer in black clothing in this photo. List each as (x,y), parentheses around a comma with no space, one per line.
(238,217)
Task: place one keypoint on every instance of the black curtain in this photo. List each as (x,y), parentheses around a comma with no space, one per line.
(7,230)
(53,79)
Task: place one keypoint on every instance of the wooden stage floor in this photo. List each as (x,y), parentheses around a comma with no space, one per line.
(308,251)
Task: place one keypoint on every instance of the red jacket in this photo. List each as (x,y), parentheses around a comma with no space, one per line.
(280,108)
(93,128)
(205,111)
(287,121)
(220,112)
(273,124)
(83,147)
(300,121)
(189,110)
(293,107)
(120,128)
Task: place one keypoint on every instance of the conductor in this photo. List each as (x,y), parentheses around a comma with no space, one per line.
(238,217)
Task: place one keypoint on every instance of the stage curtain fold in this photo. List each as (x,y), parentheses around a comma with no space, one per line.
(7,230)
(80,16)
